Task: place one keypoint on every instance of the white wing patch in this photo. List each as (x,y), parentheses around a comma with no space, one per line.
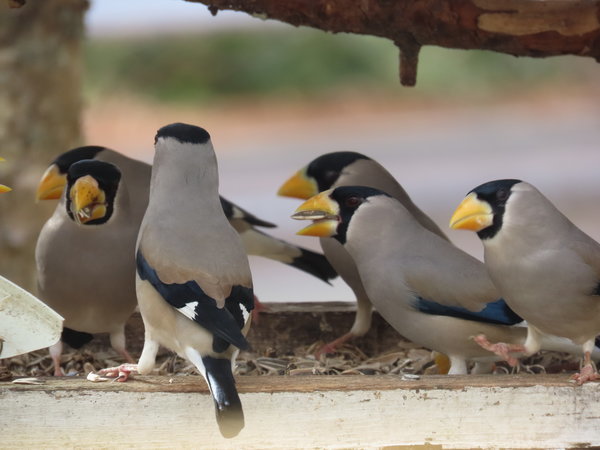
(189,310)
(245,313)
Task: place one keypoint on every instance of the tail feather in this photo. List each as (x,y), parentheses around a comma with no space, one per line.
(228,407)
(315,264)
(261,244)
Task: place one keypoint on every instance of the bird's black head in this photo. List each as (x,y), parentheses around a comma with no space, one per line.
(184,133)
(495,193)
(91,191)
(349,199)
(326,169)
(66,159)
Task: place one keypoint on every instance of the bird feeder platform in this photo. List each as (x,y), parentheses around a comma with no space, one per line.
(517,411)
(305,411)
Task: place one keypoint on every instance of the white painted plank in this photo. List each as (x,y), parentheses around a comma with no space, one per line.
(521,415)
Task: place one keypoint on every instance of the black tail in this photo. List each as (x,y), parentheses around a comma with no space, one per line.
(75,339)
(314,263)
(228,407)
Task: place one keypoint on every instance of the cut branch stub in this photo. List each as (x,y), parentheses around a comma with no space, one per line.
(409,59)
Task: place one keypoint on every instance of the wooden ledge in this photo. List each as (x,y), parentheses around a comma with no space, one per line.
(517,411)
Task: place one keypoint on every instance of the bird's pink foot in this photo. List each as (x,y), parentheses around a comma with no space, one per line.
(121,372)
(501,349)
(332,346)
(587,373)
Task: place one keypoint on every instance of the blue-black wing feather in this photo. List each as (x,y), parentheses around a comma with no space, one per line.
(224,323)
(497,312)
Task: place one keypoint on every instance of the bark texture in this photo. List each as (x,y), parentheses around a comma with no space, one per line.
(40,105)
(535,28)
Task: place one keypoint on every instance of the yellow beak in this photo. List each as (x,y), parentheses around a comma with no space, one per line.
(323,211)
(472,214)
(51,185)
(4,188)
(88,201)
(299,186)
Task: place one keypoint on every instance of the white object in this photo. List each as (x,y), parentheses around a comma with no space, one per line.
(26,324)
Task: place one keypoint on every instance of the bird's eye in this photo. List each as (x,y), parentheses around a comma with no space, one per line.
(352,202)
(502,195)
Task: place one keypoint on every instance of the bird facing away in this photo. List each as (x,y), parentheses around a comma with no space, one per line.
(546,268)
(85,267)
(137,174)
(346,169)
(193,280)
(424,286)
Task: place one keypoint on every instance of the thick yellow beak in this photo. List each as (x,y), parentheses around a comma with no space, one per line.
(4,188)
(299,186)
(88,201)
(51,185)
(323,211)
(472,214)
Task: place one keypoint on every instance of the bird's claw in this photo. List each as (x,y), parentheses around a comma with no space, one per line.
(501,349)
(121,372)
(587,373)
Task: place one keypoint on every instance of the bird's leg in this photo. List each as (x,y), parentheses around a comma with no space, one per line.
(148,357)
(55,352)
(501,349)
(588,371)
(331,347)
(362,323)
(117,341)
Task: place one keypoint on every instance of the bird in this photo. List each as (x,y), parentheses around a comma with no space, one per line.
(84,258)
(193,280)
(430,291)
(346,168)
(546,268)
(137,173)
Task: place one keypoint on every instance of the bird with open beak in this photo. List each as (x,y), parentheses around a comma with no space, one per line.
(431,292)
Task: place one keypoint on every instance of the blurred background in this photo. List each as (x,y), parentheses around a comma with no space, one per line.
(274,97)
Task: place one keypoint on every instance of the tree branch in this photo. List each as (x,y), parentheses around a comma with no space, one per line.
(536,28)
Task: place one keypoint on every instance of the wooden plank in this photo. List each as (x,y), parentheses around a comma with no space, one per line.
(517,411)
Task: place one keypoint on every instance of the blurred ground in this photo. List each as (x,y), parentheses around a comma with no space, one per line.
(438,148)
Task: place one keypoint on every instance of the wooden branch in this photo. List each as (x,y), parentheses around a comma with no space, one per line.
(519,411)
(536,28)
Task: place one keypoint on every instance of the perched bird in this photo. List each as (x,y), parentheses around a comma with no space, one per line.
(346,169)
(546,268)
(421,284)
(193,280)
(84,258)
(137,174)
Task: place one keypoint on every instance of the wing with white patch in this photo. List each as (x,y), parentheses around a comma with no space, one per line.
(225,323)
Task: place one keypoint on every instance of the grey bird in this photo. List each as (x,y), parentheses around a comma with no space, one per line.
(85,267)
(421,284)
(546,268)
(137,174)
(193,281)
(346,169)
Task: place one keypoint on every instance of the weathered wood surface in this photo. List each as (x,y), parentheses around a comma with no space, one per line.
(520,411)
(517,27)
